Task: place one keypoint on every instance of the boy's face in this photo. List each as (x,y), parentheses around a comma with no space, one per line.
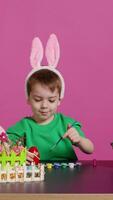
(43,102)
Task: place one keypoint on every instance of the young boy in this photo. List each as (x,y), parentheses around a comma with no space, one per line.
(44,91)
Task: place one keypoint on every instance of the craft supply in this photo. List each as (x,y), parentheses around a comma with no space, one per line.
(64,165)
(71,165)
(57,165)
(49,165)
(12,162)
(61,138)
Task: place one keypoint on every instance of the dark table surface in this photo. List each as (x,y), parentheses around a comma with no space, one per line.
(84,179)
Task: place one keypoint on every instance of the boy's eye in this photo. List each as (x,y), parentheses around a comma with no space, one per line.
(51,101)
(37,100)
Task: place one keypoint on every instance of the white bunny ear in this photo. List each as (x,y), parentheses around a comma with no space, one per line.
(36,53)
(52,51)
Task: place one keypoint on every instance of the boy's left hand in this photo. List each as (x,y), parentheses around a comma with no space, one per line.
(73,135)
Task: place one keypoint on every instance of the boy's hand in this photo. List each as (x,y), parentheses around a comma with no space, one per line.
(30,157)
(72,134)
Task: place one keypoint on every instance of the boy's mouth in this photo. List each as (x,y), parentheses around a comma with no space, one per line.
(43,113)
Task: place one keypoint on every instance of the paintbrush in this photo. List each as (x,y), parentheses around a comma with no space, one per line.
(61,138)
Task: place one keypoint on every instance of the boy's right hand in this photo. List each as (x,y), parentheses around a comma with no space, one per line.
(72,134)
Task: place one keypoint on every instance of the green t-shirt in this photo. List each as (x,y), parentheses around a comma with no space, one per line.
(44,136)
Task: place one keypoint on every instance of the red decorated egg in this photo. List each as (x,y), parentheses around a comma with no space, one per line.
(36,158)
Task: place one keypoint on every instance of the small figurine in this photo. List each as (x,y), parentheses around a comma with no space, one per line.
(13,166)
(4,141)
(18,147)
(9,152)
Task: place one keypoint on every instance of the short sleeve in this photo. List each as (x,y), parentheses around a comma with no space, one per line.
(78,128)
(16,131)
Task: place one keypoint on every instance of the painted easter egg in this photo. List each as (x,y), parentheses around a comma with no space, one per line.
(36,158)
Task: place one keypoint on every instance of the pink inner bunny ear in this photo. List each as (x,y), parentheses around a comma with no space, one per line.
(36,53)
(52,51)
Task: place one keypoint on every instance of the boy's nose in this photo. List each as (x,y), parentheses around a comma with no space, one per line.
(44,104)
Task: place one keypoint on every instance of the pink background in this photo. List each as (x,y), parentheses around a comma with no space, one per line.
(85,32)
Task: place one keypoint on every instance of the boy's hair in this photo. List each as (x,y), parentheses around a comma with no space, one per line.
(45,77)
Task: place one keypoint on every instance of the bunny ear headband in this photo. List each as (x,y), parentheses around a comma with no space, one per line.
(52,53)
